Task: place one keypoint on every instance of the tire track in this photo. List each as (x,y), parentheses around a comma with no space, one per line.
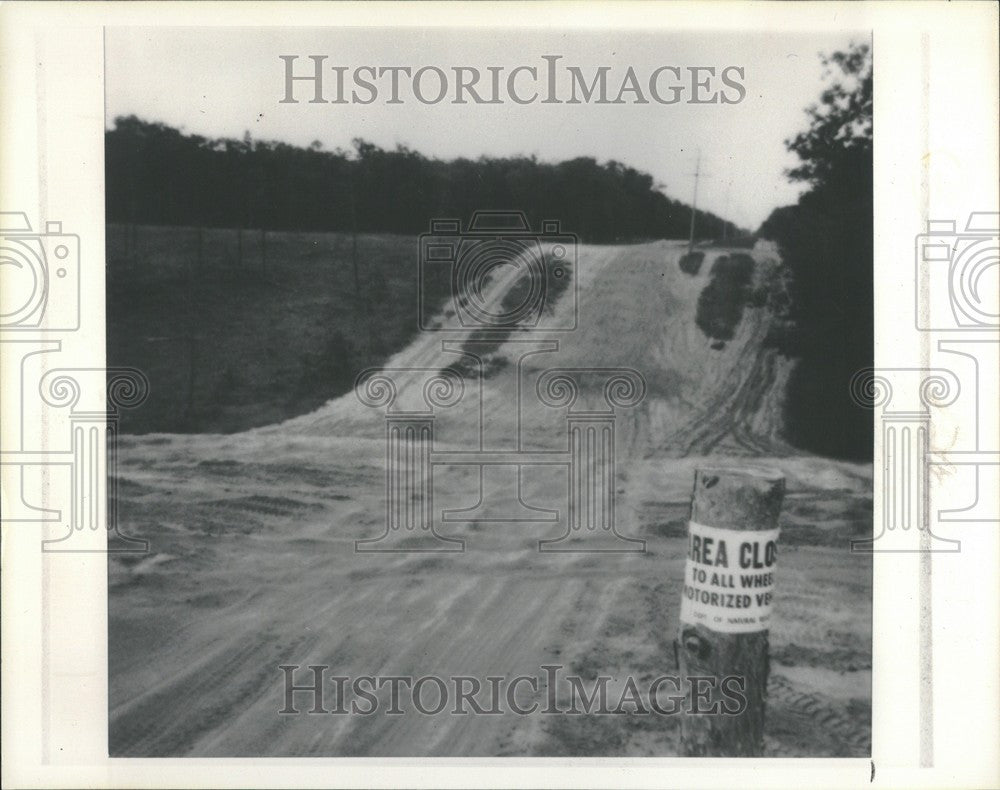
(819,709)
(170,719)
(504,610)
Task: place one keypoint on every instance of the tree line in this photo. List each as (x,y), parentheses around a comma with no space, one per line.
(158,175)
(826,241)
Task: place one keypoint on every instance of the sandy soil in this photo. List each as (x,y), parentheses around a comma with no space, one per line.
(252,563)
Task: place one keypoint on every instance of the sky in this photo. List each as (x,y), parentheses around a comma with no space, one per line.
(223,82)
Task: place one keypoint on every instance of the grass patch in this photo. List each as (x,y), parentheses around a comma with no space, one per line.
(235,331)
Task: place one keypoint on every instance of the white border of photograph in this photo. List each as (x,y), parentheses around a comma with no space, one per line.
(936,662)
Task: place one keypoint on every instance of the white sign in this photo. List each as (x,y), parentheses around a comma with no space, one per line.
(729,578)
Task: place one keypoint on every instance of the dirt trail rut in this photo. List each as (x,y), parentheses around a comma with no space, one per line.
(253,540)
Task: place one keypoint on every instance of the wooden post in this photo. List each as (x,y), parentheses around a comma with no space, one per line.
(263,254)
(725,610)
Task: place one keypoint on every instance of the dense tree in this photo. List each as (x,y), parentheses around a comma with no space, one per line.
(838,142)
(826,241)
(158,175)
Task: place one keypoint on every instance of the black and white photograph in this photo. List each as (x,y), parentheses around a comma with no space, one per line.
(499,393)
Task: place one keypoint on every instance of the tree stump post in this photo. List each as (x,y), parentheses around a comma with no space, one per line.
(725,610)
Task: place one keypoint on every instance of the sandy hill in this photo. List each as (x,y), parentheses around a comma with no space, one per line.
(253,560)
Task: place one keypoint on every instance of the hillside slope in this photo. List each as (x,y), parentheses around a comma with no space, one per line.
(254,566)
(635,309)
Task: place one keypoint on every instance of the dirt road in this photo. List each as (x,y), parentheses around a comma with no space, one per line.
(252,564)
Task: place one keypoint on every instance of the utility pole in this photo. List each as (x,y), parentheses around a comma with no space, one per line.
(694,201)
(725,213)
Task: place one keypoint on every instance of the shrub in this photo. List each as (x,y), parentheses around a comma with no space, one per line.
(487,342)
(721,303)
(690,262)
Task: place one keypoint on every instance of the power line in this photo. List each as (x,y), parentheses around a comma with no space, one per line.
(694,201)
